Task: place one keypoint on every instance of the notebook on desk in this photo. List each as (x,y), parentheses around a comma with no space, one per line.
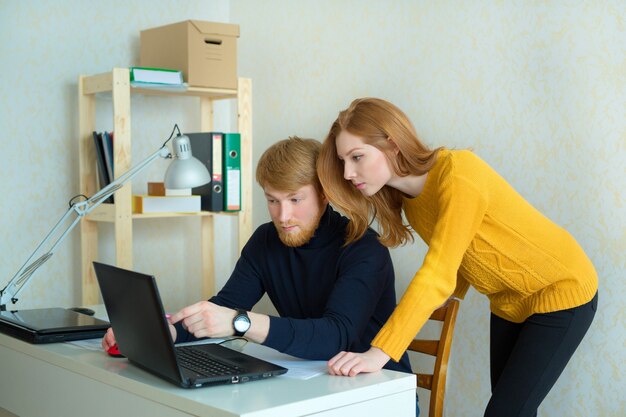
(51,325)
(142,333)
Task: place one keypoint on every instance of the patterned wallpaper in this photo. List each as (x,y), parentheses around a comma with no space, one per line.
(45,47)
(536,88)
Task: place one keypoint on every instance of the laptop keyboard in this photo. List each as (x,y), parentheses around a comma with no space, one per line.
(204,363)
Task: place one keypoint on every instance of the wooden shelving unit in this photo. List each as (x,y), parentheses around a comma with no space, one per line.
(117,83)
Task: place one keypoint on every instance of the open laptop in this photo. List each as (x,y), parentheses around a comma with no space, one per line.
(51,325)
(142,333)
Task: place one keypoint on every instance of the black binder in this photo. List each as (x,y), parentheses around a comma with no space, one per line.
(207,147)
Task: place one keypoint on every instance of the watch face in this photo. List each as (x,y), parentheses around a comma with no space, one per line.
(242,324)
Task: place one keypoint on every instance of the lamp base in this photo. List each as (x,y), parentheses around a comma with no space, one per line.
(51,325)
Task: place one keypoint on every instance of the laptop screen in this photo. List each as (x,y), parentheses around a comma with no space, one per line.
(143,335)
(138,319)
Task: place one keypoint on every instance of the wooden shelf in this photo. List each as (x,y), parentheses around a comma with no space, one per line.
(117,83)
(103,83)
(213,93)
(106,213)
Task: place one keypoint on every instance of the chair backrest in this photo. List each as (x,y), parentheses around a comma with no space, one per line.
(440,349)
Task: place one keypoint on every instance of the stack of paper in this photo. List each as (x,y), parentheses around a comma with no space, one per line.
(166,204)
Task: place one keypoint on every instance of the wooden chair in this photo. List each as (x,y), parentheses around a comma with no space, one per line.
(440,349)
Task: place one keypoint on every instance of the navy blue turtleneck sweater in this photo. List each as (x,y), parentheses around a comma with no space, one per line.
(330,297)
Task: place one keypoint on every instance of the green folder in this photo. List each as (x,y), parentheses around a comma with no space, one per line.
(232,171)
(145,75)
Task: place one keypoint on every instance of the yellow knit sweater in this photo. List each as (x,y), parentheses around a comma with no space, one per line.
(480,231)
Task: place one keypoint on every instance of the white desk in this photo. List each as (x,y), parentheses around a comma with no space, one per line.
(64,380)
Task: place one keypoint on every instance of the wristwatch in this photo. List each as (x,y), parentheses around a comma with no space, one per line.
(241,322)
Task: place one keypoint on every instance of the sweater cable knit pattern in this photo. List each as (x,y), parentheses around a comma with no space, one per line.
(482,233)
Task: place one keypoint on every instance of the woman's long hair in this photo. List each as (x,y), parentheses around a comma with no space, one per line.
(376,121)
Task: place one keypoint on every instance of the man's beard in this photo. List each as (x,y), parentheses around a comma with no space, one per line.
(302,237)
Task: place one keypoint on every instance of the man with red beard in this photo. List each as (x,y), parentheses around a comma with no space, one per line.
(329,297)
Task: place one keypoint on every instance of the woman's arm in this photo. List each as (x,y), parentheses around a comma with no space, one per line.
(461,204)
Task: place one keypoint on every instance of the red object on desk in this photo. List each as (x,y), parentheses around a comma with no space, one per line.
(114,351)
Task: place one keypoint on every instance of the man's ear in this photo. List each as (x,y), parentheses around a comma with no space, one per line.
(324,198)
(395,148)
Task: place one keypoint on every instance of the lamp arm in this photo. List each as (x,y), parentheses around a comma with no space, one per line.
(81,209)
(85,207)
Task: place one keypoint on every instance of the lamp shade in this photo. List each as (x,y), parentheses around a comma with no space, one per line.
(185,171)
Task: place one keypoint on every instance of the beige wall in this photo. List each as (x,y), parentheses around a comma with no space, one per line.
(538,89)
(45,46)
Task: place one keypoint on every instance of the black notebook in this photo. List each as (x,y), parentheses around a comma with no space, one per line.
(50,325)
(142,333)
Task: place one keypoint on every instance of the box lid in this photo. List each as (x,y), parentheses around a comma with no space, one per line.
(215,28)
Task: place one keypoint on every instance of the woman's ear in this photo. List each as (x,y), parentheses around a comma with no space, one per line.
(395,148)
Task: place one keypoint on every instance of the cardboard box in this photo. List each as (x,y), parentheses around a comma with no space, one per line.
(158,189)
(206,52)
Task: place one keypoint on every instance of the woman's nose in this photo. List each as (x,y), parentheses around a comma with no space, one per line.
(348,172)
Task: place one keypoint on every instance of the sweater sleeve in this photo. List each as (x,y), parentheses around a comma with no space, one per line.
(365,271)
(243,289)
(461,208)
(462,285)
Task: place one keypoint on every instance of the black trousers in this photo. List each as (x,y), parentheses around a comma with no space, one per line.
(527,358)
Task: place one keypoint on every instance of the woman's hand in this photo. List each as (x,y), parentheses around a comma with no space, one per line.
(108,340)
(351,364)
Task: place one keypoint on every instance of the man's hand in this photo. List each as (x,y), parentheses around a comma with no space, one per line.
(351,364)
(205,319)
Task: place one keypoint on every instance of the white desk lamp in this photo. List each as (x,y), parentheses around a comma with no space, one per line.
(185,171)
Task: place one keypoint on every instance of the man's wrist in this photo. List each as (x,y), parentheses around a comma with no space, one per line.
(259,327)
